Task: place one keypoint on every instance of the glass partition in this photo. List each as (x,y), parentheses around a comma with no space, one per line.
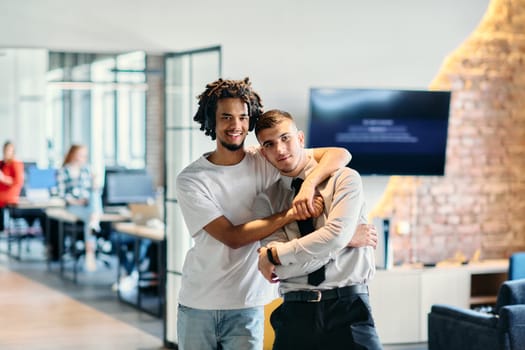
(99,100)
(186,76)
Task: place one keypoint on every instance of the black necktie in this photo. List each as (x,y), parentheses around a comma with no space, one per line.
(305,227)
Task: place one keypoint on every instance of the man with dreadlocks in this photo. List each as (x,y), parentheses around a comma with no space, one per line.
(222,295)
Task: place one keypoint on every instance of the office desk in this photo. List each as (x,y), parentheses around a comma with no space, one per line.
(53,202)
(26,206)
(157,236)
(65,217)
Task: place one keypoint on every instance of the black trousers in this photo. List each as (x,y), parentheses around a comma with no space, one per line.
(2,224)
(29,215)
(342,323)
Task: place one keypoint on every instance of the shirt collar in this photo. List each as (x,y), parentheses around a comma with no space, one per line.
(286,181)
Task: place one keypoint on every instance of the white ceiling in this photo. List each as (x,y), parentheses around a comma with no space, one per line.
(171,25)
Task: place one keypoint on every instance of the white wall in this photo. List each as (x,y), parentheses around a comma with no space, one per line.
(22,101)
(285,46)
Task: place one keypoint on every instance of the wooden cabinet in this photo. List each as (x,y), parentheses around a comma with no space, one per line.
(401,297)
(485,281)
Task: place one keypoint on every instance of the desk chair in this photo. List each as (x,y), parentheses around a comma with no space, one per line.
(19,222)
(20,227)
(74,248)
(3,227)
(517,266)
(69,240)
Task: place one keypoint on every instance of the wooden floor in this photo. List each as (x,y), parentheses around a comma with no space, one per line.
(33,316)
(39,310)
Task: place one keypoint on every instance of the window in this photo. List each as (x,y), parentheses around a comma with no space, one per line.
(99,100)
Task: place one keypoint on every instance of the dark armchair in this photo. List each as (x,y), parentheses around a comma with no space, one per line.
(452,328)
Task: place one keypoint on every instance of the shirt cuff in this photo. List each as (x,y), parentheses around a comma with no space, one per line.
(286,252)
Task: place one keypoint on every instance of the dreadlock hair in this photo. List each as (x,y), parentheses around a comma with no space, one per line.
(226,89)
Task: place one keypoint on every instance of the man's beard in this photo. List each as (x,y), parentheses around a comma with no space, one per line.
(232,147)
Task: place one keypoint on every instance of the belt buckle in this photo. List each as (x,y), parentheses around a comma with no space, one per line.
(317,299)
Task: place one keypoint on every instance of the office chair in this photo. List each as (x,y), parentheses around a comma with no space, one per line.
(19,227)
(517,266)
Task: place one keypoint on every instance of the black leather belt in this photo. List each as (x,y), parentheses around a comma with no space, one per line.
(315,296)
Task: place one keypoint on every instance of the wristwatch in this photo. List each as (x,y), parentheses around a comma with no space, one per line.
(270,256)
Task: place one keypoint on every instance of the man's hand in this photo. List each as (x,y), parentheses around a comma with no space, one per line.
(318,203)
(266,267)
(5,179)
(303,202)
(365,235)
(318,206)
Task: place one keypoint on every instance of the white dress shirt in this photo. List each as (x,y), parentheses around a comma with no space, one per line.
(344,209)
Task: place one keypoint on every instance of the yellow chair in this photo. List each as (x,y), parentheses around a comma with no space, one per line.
(269,335)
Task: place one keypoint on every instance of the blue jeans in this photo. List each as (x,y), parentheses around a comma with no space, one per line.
(126,245)
(84,213)
(220,329)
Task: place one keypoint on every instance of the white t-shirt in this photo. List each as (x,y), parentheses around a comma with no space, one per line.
(215,276)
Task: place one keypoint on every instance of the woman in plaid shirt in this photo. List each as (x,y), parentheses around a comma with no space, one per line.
(75,185)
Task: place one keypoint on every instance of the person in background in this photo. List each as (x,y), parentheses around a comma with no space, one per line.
(11,180)
(76,186)
(323,281)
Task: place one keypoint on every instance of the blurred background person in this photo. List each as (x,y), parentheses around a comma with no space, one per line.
(76,185)
(11,180)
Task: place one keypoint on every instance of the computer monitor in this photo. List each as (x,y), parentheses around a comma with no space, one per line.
(28,165)
(127,186)
(38,178)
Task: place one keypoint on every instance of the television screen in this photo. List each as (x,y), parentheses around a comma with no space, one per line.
(127,186)
(388,132)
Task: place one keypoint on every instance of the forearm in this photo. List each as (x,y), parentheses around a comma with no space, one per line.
(294,270)
(329,160)
(320,244)
(6,180)
(236,236)
(346,208)
(271,269)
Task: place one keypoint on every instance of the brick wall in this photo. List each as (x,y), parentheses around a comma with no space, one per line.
(480,202)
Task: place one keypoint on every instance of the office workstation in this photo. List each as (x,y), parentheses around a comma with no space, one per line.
(40,203)
(36,198)
(123,188)
(131,193)
(130,96)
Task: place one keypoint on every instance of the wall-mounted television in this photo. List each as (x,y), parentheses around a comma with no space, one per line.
(388,132)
